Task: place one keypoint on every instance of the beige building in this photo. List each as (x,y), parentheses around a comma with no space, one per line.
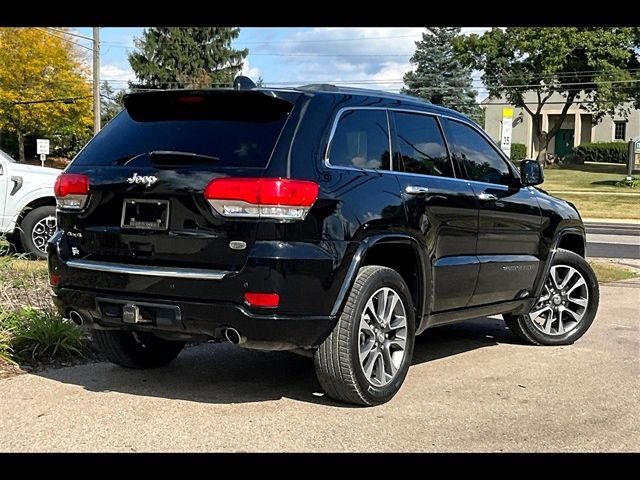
(578,126)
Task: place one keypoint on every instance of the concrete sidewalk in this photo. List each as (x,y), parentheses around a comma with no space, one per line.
(472,387)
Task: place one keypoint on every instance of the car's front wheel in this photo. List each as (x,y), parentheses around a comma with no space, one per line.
(567,306)
(366,357)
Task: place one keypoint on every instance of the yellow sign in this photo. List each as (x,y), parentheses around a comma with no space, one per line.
(507,112)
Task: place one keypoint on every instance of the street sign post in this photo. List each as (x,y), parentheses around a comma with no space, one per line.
(633,157)
(42,148)
(507,124)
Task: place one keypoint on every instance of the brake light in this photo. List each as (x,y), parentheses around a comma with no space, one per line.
(71,191)
(279,198)
(54,279)
(265,300)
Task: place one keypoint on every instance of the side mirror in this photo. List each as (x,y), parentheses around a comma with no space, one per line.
(531,173)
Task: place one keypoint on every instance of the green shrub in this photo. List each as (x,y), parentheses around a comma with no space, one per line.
(633,182)
(5,345)
(612,152)
(45,335)
(518,152)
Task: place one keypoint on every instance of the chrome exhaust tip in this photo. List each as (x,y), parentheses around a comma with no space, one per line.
(233,336)
(76,318)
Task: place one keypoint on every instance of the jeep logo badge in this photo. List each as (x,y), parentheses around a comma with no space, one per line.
(145,180)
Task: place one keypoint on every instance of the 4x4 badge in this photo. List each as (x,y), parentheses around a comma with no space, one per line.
(145,180)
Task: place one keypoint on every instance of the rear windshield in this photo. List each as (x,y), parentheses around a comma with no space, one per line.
(229,130)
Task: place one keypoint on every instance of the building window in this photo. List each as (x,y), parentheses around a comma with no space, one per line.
(620,131)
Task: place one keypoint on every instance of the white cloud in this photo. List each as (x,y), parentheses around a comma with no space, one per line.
(116,76)
(378,62)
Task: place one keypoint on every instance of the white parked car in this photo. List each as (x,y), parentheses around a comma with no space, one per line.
(27,205)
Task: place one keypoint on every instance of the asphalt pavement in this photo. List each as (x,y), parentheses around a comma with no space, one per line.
(613,240)
(472,387)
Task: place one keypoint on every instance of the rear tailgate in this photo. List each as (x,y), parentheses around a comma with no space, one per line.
(148,169)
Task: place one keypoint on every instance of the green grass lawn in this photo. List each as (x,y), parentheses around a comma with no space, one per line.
(591,187)
(589,177)
(610,272)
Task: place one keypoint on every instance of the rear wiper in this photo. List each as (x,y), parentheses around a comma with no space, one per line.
(168,153)
(177,153)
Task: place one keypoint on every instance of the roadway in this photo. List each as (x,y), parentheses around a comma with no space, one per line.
(613,240)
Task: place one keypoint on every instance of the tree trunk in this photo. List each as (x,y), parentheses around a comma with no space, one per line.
(543,144)
(21,146)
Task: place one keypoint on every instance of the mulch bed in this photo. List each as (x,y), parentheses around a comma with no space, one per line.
(9,370)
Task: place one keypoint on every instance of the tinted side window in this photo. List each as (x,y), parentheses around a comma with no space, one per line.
(361,140)
(421,145)
(482,161)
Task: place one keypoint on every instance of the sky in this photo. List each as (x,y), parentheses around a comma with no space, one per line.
(364,56)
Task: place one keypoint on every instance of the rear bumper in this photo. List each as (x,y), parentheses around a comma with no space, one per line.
(307,277)
(195,319)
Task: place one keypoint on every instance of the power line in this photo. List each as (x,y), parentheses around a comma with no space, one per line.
(295,41)
(64,38)
(68,33)
(52,100)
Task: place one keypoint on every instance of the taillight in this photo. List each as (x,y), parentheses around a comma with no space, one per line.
(264,300)
(279,198)
(71,190)
(54,279)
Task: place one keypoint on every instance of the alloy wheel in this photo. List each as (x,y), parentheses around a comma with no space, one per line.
(563,303)
(382,336)
(42,231)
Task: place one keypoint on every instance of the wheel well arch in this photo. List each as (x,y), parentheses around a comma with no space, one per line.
(573,242)
(33,204)
(404,259)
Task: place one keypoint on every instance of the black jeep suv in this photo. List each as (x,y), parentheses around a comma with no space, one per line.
(335,222)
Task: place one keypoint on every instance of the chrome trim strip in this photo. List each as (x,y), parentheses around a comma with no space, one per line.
(438,116)
(190,273)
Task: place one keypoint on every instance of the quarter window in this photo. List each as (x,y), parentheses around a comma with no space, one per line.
(480,158)
(421,145)
(361,140)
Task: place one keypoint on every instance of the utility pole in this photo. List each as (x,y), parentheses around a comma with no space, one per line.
(96,80)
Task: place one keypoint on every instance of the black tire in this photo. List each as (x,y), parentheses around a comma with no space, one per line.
(27,225)
(523,326)
(136,349)
(337,361)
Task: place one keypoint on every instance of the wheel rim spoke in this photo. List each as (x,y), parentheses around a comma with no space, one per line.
(560,324)
(382,336)
(369,364)
(578,284)
(535,314)
(583,302)
(388,360)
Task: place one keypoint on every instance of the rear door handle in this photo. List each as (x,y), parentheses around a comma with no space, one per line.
(487,196)
(415,190)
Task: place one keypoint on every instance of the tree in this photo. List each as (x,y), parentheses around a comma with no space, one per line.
(189,57)
(596,66)
(110,102)
(439,75)
(44,87)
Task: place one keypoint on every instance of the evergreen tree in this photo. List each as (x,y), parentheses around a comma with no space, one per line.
(439,76)
(189,57)
(111,102)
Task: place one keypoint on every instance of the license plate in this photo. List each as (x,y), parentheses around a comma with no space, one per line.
(144,214)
